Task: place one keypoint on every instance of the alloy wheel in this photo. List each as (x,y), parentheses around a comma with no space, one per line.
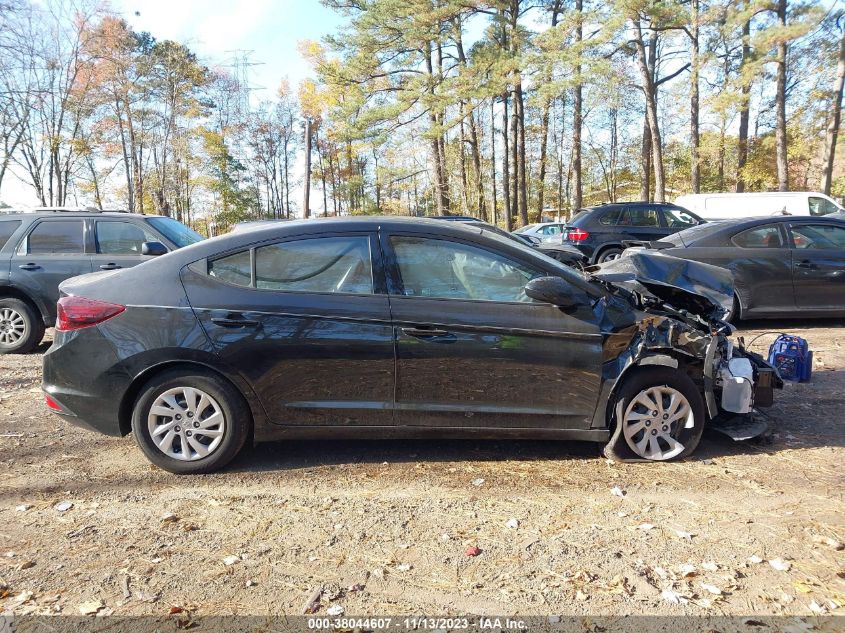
(654,420)
(186,423)
(12,326)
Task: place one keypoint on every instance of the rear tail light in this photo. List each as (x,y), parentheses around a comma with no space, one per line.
(577,235)
(78,312)
(51,404)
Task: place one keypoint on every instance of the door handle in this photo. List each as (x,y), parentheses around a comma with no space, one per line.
(421,332)
(29,266)
(110,266)
(227,322)
(805,264)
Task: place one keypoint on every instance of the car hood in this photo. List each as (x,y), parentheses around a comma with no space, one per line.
(701,289)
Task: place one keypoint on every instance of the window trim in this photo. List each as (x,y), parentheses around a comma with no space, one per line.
(395,275)
(376,269)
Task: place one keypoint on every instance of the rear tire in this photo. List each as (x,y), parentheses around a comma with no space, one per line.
(21,327)
(608,254)
(735,313)
(190,421)
(658,414)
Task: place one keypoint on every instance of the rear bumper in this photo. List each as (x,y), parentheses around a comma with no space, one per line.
(81,374)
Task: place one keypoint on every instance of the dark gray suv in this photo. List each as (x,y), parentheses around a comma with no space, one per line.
(40,250)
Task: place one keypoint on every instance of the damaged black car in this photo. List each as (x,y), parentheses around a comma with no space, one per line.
(386,327)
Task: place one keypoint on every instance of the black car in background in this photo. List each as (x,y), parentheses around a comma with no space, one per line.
(380,327)
(782,266)
(600,232)
(40,250)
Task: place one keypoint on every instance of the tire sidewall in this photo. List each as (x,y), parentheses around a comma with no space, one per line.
(602,258)
(234,409)
(644,378)
(34,327)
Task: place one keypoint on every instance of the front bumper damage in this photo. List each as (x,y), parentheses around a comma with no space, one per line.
(683,303)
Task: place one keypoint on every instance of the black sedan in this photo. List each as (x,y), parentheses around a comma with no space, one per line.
(782,266)
(392,327)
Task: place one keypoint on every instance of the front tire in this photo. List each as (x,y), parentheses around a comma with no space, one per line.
(21,328)
(659,416)
(190,421)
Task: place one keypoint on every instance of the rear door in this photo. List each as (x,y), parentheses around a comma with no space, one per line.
(818,265)
(117,244)
(641,223)
(474,351)
(306,321)
(52,251)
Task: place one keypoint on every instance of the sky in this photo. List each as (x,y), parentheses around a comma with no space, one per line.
(220,31)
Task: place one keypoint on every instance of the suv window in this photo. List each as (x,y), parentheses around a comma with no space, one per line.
(7,227)
(552,229)
(450,270)
(612,217)
(175,231)
(767,236)
(640,217)
(325,264)
(121,238)
(678,219)
(818,236)
(821,206)
(56,237)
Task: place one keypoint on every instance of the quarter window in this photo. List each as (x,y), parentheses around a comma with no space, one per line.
(451,270)
(759,237)
(612,217)
(52,237)
(328,264)
(121,238)
(818,237)
(234,269)
(7,227)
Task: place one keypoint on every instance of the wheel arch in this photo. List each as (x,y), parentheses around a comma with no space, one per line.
(131,394)
(13,292)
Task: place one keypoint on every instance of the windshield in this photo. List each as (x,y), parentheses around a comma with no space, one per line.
(176,232)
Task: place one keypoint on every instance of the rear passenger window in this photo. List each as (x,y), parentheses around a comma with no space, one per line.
(7,227)
(52,237)
(327,264)
(612,217)
(234,269)
(640,217)
(759,237)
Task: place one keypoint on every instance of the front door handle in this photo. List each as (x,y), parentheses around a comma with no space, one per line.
(29,266)
(421,332)
(229,322)
(805,264)
(110,266)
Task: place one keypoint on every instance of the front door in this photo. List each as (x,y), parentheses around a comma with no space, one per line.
(474,351)
(306,321)
(118,244)
(54,250)
(818,265)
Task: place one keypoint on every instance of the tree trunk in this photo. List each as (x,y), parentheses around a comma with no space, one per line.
(514,149)
(441,190)
(780,105)
(577,118)
(650,92)
(523,178)
(505,170)
(695,167)
(306,193)
(744,112)
(476,167)
(833,122)
(544,139)
(645,155)
(494,212)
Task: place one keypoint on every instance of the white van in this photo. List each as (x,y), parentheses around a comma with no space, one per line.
(728,206)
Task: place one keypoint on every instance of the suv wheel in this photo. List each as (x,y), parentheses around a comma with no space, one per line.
(609,254)
(659,415)
(21,329)
(190,421)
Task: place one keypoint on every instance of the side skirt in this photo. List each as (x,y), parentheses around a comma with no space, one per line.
(274,433)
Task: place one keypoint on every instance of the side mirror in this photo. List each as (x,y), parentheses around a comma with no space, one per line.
(153,249)
(554,290)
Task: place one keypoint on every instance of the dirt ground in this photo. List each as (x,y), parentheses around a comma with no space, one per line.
(383,527)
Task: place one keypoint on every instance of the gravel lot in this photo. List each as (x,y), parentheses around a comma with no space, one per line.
(383,527)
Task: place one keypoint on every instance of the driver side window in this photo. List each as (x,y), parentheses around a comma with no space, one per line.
(444,269)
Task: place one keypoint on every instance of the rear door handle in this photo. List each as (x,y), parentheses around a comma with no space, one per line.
(424,332)
(29,266)
(229,322)
(805,264)
(110,266)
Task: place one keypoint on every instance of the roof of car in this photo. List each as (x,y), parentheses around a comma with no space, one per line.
(7,214)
